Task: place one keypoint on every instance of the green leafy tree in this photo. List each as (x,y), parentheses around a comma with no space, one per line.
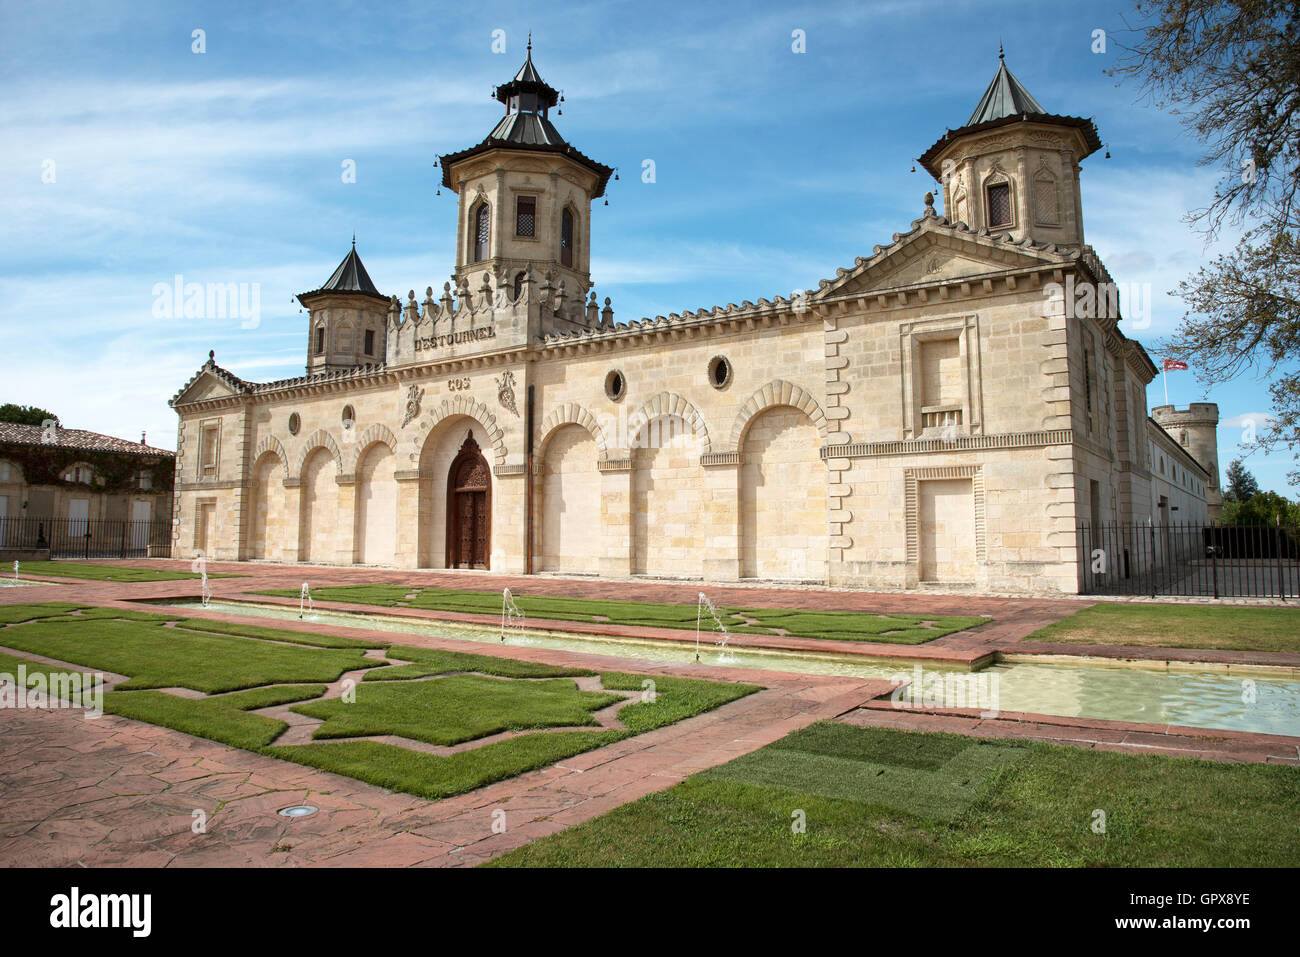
(1231,70)
(25,414)
(1241,486)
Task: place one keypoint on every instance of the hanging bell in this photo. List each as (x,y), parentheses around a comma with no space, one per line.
(616,177)
(1107,154)
(438,193)
(606,202)
(913,167)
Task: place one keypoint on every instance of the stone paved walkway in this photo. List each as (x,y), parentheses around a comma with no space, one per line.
(118,792)
(114,792)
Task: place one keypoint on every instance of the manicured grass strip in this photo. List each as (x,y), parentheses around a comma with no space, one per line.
(1036,810)
(435,776)
(206,718)
(1179,626)
(451,710)
(674,698)
(935,782)
(95,613)
(10,614)
(107,573)
(836,625)
(854,626)
(269,696)
(277,634)
(157,657)
(431,661)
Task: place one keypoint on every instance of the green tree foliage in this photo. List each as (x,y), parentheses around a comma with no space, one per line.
(25,414)
(1231,70)
(1241,485)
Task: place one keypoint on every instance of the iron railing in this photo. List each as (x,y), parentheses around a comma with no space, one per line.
(1190,559)
(88,538)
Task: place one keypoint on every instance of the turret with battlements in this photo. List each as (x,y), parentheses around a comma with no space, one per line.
(1195,428)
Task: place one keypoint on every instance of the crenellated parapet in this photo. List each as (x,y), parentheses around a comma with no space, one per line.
(498,314)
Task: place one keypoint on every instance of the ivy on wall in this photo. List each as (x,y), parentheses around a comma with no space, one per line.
(45,465)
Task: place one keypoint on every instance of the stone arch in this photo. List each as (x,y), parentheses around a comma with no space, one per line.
(270,443)
(460,405)
(572,414)
(318,439)
(375,433)
(777,392)
(666,404)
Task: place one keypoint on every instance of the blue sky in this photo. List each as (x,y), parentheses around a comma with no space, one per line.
(772,168)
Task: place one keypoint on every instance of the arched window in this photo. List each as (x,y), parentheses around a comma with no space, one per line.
(320,340)
(566,238)
(481,217)
(519,285)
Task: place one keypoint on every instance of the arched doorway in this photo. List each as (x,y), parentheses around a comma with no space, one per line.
(469,508)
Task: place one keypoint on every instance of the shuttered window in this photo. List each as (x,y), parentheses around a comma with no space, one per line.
(525,216)
(1000,205)
(481,232)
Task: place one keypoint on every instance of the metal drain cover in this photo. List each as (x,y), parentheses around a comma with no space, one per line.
(299,810)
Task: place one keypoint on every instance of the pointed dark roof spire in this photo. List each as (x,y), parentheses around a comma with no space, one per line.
(1006,101)
(526,124)
(349,277)
(1005,96)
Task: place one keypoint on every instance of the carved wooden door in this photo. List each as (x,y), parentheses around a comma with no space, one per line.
(469,508)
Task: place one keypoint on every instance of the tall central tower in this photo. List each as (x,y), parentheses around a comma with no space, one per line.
(525,195)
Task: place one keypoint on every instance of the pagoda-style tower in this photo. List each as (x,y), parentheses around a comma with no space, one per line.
(348,319)
(1014,167)
(525,196)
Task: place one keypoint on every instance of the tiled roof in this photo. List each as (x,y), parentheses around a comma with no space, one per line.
(1005,96)
(527,129)
(11,433)
(1007,101)
(349,277)
(244,387)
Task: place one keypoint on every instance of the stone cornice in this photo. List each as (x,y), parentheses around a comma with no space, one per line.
(963,443)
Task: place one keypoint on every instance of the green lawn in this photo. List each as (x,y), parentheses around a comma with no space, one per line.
(1179,626)
(467,707)
(154,656)
(837,625)
(243,668)
(106,573)
(879,797)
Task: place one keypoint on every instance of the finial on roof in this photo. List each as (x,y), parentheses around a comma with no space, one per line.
(1001,55)
(212,355)
(354,240)
(530,41)
(929,204)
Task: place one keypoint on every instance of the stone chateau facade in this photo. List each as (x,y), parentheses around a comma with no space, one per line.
(948,409)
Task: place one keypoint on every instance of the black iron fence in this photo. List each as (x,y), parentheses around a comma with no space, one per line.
(1190,559)
(88,538)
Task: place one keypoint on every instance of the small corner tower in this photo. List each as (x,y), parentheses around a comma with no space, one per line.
(348,319)
(525,195)
(1014,167)
(1196,428)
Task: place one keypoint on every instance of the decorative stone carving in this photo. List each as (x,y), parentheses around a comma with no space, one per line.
(414,396)
(506,391)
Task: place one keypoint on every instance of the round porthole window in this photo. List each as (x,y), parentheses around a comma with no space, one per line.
(719,372)
(295,423)
(615,385)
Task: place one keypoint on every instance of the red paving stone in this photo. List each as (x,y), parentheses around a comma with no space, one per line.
(113,792)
